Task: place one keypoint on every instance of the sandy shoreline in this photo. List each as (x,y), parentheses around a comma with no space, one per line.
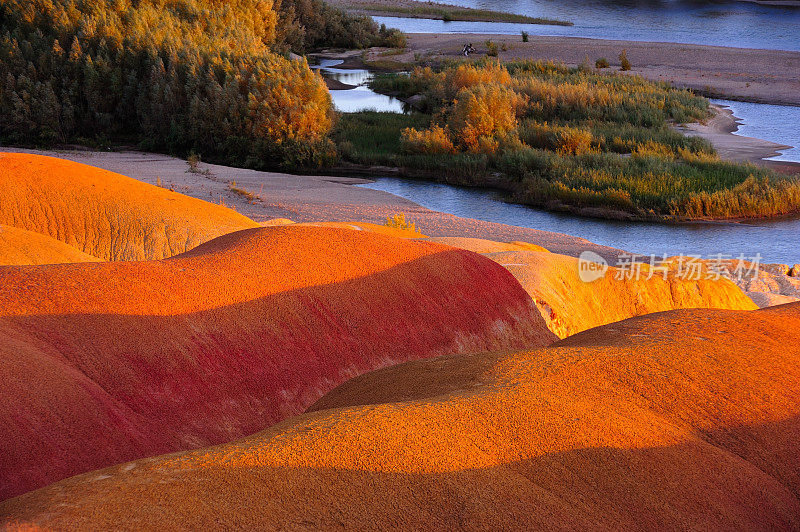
(719,130)
(762,76)
(311,198)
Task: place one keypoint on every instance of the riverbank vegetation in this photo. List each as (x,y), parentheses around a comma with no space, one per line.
(600,144)
(439,11)
(186,75)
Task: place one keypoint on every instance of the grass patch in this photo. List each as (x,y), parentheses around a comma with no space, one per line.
(564,138)
(398,221)
(372,137)
(249,196)
(385,65)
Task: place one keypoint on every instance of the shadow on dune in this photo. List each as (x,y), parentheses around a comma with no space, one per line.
(687,419)
(691,485)
(85,390)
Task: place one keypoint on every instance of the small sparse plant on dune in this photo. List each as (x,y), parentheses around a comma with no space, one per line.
(193,160)
(624,63)
(601,63)
(492,49)
(398,221)
(194,163)
(242,192)
(525,37)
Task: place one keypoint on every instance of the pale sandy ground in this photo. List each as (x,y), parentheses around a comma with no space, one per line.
(766,76)
(312,199)
(325,198)
(719,131)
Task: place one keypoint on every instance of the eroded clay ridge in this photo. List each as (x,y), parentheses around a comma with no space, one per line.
(683,419)
(107,362)
(21,247)
(104,214)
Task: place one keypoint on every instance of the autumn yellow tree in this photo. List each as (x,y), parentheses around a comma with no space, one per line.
(483,116)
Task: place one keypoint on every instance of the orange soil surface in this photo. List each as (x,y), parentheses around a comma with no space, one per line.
(19,247)
(107,362)
(686,419)
(569,305)
(480,245)
(104,214)
(369,227)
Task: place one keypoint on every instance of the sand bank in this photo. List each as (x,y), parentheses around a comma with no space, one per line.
(719,130)
(311,198)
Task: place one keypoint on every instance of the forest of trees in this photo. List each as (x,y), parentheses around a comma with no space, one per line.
(306,25)
(173,75)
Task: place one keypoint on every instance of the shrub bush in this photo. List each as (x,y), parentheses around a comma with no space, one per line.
(398,221)
(601,63)
(482,115)
(624,64)
(653,149)
(391,38)
(433,141)
(561,139)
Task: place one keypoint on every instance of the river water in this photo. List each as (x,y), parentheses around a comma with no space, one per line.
(776,241)
(776,123)
(360,97)
(722,23)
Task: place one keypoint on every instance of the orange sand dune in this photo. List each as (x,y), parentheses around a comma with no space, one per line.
(480,245)
(19,247)
(104,214)
(570,305)
(687,419)
(103,363)
(369,227)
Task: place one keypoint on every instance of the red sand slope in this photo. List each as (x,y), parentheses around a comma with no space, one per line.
(104,214)
(681,420)
(19,247)
(107,362)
